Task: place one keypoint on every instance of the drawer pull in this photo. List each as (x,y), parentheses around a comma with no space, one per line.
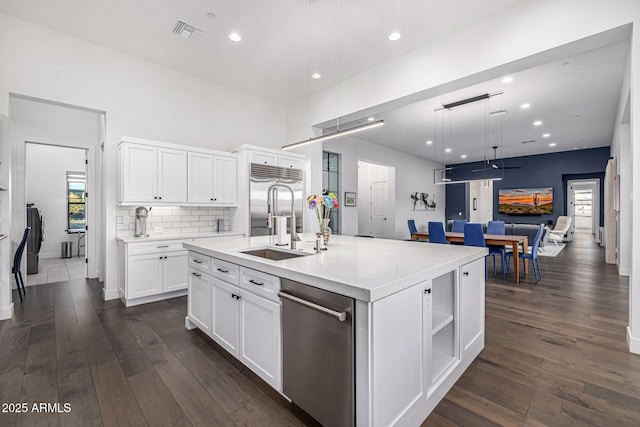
(466,273)
(162,246)
(197,261)
(223,271)
(256,283)
(197,274)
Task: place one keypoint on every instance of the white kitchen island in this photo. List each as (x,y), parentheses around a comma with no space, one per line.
(418,314)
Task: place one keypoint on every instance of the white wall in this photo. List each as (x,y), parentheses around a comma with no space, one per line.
(484,201)
(412,174)
(140,99)
(47,168)
(369,173)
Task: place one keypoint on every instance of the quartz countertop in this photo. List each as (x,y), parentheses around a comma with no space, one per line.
(186,236)
(361,268)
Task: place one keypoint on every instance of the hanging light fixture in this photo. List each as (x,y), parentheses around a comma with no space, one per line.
(338,132)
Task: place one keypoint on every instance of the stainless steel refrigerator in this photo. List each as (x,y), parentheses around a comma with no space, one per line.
(261,178)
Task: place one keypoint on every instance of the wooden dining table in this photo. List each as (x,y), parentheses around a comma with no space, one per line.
(490,239)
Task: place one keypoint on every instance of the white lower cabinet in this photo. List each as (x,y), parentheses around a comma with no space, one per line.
(471,306)
(151,271)
(234,314)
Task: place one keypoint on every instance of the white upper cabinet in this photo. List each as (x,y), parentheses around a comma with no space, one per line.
(225,180)
(263,158)
(139,173)
(200,178)
(291,162)
(165,174)
(172,175)
(213,179)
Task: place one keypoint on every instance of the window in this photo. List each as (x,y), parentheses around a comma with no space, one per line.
(330,183)
(76,199)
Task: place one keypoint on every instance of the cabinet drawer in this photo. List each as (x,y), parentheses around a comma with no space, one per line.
(224,271)
(156,247)
(260,283)
(264,158)
(200,262)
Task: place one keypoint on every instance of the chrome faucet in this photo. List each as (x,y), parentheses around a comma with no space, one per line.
(270,198)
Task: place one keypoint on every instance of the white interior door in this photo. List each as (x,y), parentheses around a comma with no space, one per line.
(379,208)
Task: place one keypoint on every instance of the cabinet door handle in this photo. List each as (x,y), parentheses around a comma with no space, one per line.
(466,273)
(160,198)
(223,271)
(256,283)
(162,246)
(165,257)
(161,258)
(211,199)
(427,291)
(197,261)
(155,197)
(197,274)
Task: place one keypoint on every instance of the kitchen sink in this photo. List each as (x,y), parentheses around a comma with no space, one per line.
(273,254)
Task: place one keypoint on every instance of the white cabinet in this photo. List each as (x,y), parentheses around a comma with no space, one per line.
(199,304)
(471,305)
(260,337)
(151,174)
(263,158)
(213,179)
(243,322)
(144,276)
(291,162)
(152,271)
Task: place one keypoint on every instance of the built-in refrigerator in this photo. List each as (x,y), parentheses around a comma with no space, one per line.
(262,177)
(35,221)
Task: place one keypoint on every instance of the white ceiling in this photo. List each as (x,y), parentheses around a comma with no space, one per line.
(283,41)
(576,98)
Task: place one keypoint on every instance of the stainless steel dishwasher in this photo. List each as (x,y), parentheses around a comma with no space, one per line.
(318,354)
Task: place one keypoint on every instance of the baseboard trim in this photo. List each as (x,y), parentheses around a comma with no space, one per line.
(110,294)
(6,312)
(624,272)
(634,343)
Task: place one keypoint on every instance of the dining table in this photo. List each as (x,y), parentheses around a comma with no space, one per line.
(514,241)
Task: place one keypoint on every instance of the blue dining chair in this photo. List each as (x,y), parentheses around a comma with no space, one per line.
(496,227)
(533,256)
(17,259)
(412,227)
(473,236)
(436,232)
(458,225)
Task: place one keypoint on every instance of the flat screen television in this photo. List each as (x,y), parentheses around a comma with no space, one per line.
(525,201)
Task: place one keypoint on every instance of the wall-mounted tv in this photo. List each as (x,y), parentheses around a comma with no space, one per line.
(525,201)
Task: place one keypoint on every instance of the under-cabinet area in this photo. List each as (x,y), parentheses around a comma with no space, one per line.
(237,299)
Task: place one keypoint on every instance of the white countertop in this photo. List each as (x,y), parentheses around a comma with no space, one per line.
(361,268)
(186,236)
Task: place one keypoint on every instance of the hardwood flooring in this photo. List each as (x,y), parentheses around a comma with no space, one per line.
(555,355)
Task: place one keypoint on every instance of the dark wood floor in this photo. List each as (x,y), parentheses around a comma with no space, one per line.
(555,355)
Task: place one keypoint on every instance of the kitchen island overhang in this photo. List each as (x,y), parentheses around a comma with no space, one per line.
(418,317)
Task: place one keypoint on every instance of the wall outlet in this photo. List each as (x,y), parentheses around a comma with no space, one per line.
(157,229)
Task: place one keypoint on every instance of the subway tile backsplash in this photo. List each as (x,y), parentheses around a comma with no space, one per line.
(173,220)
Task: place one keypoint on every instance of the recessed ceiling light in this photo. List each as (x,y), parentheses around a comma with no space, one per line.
(537,123)
(370,119)
(553,144)
(316,76)
(429,142)
(211,15)
(584,146)
(395,36)
(448,150)
(565,63)
(525,106)
(464,156)
(498,112)
(507,79)
(235,37)
(546,135)
(575,148)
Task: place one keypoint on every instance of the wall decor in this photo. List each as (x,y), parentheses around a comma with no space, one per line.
(349,199)
(423,201)
(526,201)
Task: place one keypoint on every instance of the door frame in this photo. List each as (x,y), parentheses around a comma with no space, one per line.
(594,185)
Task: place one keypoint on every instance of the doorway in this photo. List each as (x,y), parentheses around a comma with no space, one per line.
(583,206)
(53,138)
(376,207)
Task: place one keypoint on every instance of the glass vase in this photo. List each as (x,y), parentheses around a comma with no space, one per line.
(325,230)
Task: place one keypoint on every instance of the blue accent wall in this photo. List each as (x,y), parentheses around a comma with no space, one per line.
(542,170)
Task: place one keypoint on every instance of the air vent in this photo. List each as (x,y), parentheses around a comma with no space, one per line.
(187,31)
(262,172)
(529,141)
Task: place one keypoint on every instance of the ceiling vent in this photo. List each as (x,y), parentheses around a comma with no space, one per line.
(187,31)
(529,141)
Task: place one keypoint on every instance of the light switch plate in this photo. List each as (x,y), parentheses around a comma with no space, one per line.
(157,229)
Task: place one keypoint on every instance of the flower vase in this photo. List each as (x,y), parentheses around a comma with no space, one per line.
(325,230)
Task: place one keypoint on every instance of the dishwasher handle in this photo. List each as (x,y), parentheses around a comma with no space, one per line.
(341,316)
